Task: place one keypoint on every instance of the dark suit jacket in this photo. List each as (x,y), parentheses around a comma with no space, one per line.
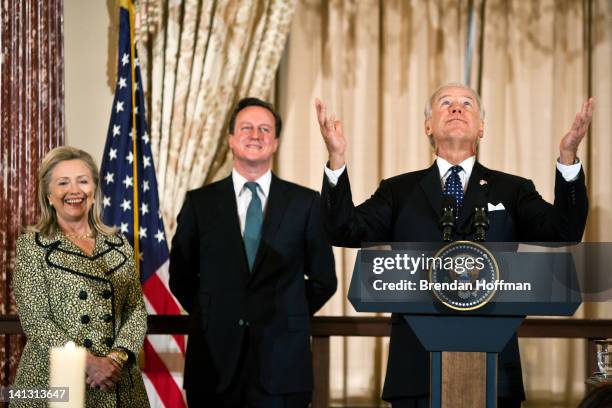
(407,208)
(209,276)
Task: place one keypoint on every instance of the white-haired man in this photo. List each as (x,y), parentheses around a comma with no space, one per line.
(407,208)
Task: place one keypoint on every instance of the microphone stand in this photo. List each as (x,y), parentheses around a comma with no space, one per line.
(480,223)
(447,222)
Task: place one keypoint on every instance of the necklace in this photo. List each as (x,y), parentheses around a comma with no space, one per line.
(78,236)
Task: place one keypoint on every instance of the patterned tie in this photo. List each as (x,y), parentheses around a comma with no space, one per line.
(252,226)
(454,188)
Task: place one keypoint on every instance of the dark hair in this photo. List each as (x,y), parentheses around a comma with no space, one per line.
(250,101)
(600,397)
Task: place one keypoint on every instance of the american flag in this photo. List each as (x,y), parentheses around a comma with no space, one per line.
(131,203)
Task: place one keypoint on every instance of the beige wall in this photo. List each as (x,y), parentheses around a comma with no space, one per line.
(89,28)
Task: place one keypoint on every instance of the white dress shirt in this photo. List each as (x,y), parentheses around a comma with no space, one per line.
(243,194)
(464,175)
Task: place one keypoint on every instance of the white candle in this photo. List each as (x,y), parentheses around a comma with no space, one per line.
(67,369)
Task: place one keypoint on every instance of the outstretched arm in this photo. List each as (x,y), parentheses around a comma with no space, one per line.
(566,219)
(568,147)
(333,136)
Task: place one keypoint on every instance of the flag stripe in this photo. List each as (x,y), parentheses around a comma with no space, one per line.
(159,296)
(160,300)
(154,290)
(179,339)
(157,372)
(167,352)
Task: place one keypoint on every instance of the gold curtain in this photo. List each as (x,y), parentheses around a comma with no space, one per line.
(199,57)
(375,62)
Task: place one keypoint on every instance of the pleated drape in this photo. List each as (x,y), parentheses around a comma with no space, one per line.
(376,62)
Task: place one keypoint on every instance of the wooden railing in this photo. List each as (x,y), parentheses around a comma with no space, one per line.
(323,327)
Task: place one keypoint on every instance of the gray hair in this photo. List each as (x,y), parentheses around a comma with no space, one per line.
(430,101)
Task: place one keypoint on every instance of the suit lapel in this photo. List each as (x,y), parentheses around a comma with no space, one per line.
(431,185)
(65,255)
(275,208)
(230,211)
(227,208)
(476,192)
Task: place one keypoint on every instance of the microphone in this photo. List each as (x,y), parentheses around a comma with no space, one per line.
(480,223)
(447,221)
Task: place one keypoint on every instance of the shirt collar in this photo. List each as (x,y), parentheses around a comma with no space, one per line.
(467,165)
(264,182)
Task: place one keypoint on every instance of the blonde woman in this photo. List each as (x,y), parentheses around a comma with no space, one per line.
(75,281)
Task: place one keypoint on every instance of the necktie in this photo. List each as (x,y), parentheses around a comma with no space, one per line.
(454,188)
(252,226)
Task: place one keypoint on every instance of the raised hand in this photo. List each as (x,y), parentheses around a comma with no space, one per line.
(568,147)
(331,130)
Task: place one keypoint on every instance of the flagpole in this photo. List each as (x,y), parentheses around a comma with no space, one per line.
(136,228)
(128,150)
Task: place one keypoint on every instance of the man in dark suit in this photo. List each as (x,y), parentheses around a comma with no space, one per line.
(251,265)
(407,208)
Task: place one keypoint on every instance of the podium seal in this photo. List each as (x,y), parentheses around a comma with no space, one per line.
(463,275)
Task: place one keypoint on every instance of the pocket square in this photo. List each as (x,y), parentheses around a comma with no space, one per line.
(496,207)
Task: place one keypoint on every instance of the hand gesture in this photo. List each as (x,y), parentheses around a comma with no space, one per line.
(568,147)
(331,130)
(101,372)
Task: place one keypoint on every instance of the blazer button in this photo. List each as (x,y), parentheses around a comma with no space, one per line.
(106,294)
(85,319)
(82,295)
(108,342)
(240,322)
(87,343)
(107,318)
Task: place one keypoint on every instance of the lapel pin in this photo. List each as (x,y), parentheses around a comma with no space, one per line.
(483,182)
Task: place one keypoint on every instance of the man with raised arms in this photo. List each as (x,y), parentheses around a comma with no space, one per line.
(407,208)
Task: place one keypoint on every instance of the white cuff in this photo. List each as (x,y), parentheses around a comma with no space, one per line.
(334,175)
(569,172)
